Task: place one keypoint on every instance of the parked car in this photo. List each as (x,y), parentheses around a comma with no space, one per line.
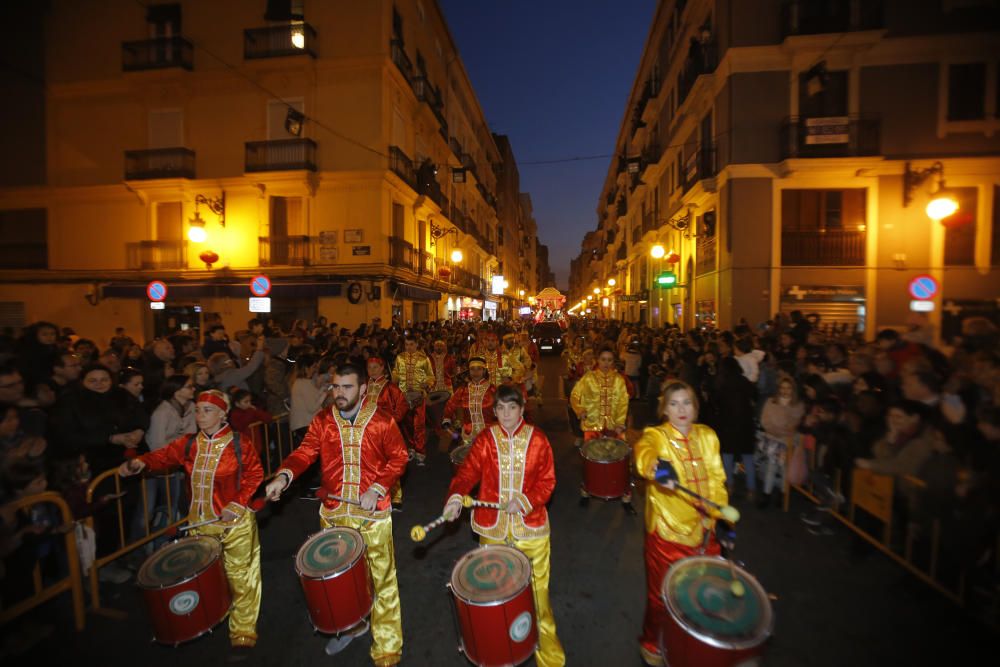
(548,336)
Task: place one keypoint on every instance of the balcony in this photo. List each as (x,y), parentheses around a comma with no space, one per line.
(622,253)
(297,39)
(822,247)
(401,165)
(455,147)
(636,234)
(160,53)
(280,155)
(402,60)
(460,219)
(401,253)
(832,136)
(159,163)
(468,280)
(703,61)
(808,17)
(150,255)
(698,166)
(622,206)
(425,262)
(284,250)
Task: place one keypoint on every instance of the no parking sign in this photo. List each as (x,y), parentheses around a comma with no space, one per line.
(923,288)
(260,286)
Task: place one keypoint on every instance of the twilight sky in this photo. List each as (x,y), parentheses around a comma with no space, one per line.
(554,76)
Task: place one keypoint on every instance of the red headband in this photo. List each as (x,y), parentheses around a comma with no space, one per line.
(216,398)
(376,360)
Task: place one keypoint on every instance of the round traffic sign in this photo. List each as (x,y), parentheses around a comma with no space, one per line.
(156,290)
(260,285)
(923,287)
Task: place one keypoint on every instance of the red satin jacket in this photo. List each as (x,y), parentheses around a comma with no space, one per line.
(505,466)
(447,371)
(370,453)
(389,397)
(212,460)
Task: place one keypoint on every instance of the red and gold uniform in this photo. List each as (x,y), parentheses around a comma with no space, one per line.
(219,482)
(390,399)
(516,465)
(443,370)
(355,456)
(476,399)
(676,524)
(413,373)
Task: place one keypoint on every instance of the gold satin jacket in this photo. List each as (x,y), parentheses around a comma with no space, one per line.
(603,397)
(413,372)
(674,515)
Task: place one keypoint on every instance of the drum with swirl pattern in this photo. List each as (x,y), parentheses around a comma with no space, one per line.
(333,571)
(491,587)
(185,589)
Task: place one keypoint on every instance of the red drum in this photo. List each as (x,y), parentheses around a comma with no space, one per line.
(439,396)
(605,467)
(708,626)
(334,574)
(185,589)
(458,455)
(495,606)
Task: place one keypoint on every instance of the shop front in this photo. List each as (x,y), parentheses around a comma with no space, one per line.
(470,309)
(490,309)
(836,308)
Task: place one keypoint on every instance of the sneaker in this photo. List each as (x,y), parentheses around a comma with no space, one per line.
(813,518)
(114,574)
(820,530)
(338,644)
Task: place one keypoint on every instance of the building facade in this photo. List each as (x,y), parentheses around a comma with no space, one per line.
(338,148)
(779,155)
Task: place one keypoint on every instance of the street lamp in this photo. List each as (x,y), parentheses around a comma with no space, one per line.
(611,282)
(456,256)
(657,251)
(597,290)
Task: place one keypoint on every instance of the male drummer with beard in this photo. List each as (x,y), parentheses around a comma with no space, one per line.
(362,455)
(600,400)
(512,464)
(476,398)
(414,376)
(390,399)
(224,471)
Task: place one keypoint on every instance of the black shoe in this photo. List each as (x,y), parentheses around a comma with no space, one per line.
(239,653)
(629,509)
(584,501)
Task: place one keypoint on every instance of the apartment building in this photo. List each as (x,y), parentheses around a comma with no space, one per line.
(779,155)
(336,147)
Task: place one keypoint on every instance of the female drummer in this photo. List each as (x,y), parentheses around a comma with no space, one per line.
(512,464)
(600,400)
(228,462)
(677,525)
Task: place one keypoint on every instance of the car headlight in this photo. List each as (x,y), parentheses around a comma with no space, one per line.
(558,340)
(534,340)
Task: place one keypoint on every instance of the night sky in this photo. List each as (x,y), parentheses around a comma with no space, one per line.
(554,76)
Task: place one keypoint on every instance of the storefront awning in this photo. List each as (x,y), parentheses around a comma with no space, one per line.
(194,291)
(413,292)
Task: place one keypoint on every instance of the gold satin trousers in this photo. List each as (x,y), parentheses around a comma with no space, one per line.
(241,560)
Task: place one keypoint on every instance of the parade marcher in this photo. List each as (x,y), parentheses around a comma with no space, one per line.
(224,471)
(362,456)
(515,358)
(494,359)
(475,399)
(414,376)
(677,525)
(512,464)
(443,366)
(600,401)
(389,398)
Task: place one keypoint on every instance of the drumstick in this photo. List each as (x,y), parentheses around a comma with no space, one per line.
(736,586)
(469,501)
(418,533)
(727,512)
(192,526)
(321,493)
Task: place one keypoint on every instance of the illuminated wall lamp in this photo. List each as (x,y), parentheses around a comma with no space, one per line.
(943,203)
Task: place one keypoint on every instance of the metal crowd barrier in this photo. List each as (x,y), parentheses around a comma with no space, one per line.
(275,435)
(73,582)
(124,545)
(874,495)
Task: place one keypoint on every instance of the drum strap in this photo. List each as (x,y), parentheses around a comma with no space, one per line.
(236,450)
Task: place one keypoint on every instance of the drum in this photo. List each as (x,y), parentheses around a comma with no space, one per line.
(605,467)
(414,398)
(185,589)
(458,455)
(333,571)
(495,606)
(706,624)
(436,397)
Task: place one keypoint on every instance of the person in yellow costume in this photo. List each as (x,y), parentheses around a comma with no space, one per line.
(677,525)
(600,401)
(414,375)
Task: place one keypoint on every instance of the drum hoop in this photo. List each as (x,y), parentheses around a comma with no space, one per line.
(766,631)
(190,577)
(491,603)
(628,453)
(452,458)
(339,571)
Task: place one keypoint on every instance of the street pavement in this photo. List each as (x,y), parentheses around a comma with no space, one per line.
(835,603)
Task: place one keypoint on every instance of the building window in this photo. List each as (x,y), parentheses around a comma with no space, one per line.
(24,239)
(823,227)
(960,230)
(967,91)
(822,97)
(995,254)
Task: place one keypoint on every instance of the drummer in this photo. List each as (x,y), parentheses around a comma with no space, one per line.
(389,399)
(229,462)
(414,376)
(600,401)
(512,463)
(362,455)
(443,367)
(475,398)
(677,526)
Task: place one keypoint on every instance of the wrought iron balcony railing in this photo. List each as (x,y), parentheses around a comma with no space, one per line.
(809,17)
(296,39)
(831,136)
(822,248)
(285,250)
(148,255)
(280,155)
(159,163)
(160,53)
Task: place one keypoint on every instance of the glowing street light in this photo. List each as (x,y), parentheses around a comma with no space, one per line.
(657,251)
(941,207)
(456,256)
(611,282)
(597,290)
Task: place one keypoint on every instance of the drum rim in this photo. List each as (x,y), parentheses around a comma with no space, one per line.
(451,456)
(430,396)
(217,547)
(767,627)
(628,451)
(491,603)
(340,571)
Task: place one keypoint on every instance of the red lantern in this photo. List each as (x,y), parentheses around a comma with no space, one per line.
(209,257)
(444,272)
(672,257)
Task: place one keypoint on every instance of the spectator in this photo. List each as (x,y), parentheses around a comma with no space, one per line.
(226,375)
(780,421)
(36,352)
(216,342)
(734,399)
(65,372)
